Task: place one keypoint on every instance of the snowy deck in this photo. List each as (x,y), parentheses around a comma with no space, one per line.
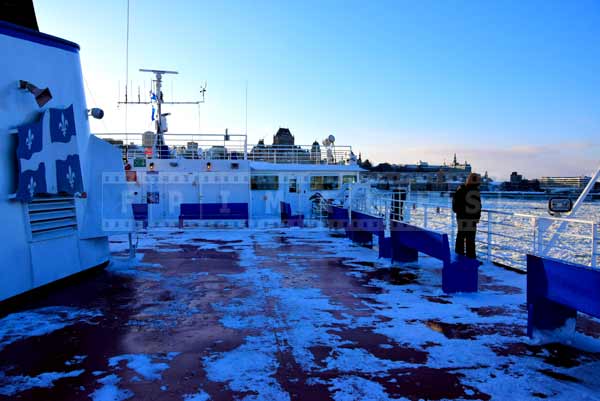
(292,314)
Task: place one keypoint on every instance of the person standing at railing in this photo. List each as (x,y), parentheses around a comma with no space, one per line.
(466,204)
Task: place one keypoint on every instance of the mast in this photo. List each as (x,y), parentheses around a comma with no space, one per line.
(159,143)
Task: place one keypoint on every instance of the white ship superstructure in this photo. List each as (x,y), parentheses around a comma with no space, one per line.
(51,165)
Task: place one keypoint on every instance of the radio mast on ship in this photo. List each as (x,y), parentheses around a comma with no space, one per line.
(156,97)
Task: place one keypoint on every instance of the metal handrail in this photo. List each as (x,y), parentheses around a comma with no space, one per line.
(496,237)
(228,146)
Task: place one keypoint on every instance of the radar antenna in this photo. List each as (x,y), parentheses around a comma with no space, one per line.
(157,97)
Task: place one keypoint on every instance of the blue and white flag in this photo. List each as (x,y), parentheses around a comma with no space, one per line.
(68,175)
(62,124)
(31,183)
(30,139)
(48,156)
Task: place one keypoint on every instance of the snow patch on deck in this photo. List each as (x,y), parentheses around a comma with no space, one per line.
(11,385)
(39,322)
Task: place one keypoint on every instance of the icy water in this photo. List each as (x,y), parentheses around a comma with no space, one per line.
(514,236)
(589,210)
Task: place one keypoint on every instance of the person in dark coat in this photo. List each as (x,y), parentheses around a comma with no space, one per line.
(466,204)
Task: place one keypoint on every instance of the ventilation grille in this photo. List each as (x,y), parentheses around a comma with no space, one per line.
(52,217)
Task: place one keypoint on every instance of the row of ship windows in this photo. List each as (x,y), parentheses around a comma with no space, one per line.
(257,182)
(317,183)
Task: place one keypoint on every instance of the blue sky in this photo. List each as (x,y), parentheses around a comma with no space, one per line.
(507,85)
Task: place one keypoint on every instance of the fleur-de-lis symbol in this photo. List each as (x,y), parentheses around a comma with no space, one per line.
(31,187)
(63,125)
(71,177)
(29,140)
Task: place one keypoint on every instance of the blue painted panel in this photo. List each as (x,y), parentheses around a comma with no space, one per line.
(30,138)
(337,217)
(385,246)
(62,124)
(31,183)
(289,219)
(214,211)
(68,175)
(367,223)
(428,242)
(460,275)
(568,284)
(140,211)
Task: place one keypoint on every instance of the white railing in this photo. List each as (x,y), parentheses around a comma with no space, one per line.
(188,146)
(301,154)
(503,237)
(234,146)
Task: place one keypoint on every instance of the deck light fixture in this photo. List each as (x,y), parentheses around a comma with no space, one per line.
(208,166)
(42,96)
(96,112)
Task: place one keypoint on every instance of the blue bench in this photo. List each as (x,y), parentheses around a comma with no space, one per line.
(337,217)
(364,227)
(140,213)
(556,290)
(212,211)
(459,273)
(287,218)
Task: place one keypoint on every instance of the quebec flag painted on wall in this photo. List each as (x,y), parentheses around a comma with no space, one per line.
(30,139)
(48,156)
(62,124)
(32,183)
(68,175)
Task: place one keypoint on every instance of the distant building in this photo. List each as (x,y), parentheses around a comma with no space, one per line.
(575,183)
(518,183)
(284,150)
(283,137)
(421,176)
(516,178)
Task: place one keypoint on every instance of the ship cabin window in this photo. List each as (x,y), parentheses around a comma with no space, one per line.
(293,185)
(264,182)
(349,179)
(324,183)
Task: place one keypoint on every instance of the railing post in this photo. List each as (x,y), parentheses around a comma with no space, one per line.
(540,236)
(452,228)
(425,216)
(594,243)
(489,236)
(350,204)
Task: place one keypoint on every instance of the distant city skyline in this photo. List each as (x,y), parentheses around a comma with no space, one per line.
(508,86)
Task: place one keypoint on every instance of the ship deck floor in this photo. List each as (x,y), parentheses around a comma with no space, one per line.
(296,314)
